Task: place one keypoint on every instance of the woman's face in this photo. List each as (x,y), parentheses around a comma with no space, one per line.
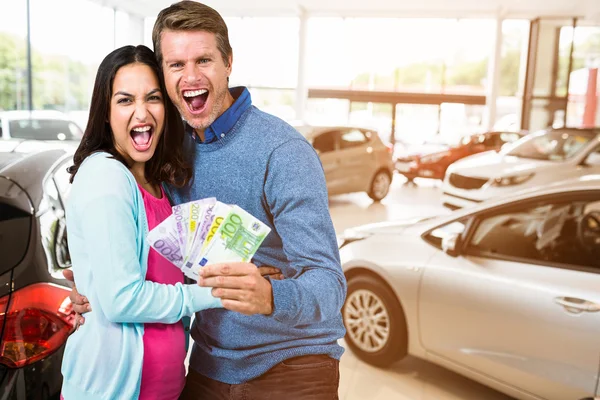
(137,112)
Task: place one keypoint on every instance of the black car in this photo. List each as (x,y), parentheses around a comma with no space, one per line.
(35,312)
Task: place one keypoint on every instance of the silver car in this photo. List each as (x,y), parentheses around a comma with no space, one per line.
(354,159)
(506,293)
(38,125)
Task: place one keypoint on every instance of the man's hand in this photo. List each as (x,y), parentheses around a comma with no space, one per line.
(240,286)
(81,305)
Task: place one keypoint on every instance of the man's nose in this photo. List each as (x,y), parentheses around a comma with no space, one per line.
(191,74)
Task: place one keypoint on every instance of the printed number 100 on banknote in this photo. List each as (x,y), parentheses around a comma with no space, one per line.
(238,238)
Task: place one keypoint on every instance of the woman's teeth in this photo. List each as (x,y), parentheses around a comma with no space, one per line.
(141,136)
(142,129)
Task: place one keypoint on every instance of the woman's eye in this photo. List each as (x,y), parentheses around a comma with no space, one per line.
(155,98)
(123,101)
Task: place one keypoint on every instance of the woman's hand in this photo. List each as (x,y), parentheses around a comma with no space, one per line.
(271,273)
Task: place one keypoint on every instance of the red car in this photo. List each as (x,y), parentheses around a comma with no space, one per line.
(431,161)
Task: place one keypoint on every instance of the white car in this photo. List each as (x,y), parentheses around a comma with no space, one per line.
(537,160)
(38,125)
(505,293)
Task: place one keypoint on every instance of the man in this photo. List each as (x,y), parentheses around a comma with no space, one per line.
(285,346)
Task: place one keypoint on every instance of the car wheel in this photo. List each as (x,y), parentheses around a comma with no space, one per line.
(375,324)
(380,186)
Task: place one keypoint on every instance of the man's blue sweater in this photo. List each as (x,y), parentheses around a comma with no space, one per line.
(266,167)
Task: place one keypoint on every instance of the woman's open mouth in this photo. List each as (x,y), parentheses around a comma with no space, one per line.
(141,137)
(196,100)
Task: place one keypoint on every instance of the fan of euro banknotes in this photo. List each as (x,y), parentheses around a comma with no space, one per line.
(205,232)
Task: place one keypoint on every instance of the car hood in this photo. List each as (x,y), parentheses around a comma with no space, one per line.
(388,227)
(420,150)
(492,164)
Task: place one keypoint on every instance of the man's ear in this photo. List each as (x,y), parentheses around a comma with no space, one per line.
(229,64)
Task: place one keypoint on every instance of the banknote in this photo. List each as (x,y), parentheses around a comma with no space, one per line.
(237,238)
(220,212)
(196,214)
(212,217)
(164,238)
(205,232)
(181,214)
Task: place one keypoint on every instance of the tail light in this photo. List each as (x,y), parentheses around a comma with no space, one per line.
(37,322)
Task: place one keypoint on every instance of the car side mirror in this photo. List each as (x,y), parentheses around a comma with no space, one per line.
(451,244)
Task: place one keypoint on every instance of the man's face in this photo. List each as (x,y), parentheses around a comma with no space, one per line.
(196,76)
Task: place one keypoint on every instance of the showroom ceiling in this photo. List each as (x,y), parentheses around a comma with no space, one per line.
(588,9)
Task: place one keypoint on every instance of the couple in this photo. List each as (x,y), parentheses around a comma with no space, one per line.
(254,337)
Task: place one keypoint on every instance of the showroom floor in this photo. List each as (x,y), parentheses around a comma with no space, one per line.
(411,378)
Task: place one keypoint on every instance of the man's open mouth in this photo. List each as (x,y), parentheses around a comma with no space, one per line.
(195,99)
(141,136)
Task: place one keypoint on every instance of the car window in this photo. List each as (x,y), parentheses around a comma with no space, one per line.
(44,129)
(52,220)
(352,138)
(508,137)
(325,142)
(465,140)
(436,236)
(551,145)
(15,224)
(563,232)
(593,159)
(490,141)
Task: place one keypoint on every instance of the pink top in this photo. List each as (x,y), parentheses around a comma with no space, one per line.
(163,370)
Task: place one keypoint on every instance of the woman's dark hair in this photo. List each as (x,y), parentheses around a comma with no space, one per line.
(168,164)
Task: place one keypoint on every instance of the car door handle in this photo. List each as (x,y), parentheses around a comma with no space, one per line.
(574,304)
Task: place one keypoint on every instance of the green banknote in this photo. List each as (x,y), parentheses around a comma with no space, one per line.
(237,239)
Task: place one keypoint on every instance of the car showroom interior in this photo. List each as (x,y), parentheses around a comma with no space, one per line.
(460,148)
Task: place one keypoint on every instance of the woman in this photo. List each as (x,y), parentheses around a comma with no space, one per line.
(132,345)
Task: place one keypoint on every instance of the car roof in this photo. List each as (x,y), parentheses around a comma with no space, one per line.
(35,114)
(28,170)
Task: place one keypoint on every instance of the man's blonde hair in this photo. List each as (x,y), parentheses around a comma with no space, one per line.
(190,15)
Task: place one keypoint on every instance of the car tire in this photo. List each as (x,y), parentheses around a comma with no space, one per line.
(392,346)
(380,185)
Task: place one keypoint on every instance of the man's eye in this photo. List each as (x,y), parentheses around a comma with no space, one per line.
(204,60)
(177,65)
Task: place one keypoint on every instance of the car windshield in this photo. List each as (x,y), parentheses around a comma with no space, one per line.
(552,145)
(44,129)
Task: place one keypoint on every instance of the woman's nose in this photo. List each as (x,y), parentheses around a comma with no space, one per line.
(141,112)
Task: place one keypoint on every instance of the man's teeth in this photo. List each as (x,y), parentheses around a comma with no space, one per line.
(194,93)
(142,129)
